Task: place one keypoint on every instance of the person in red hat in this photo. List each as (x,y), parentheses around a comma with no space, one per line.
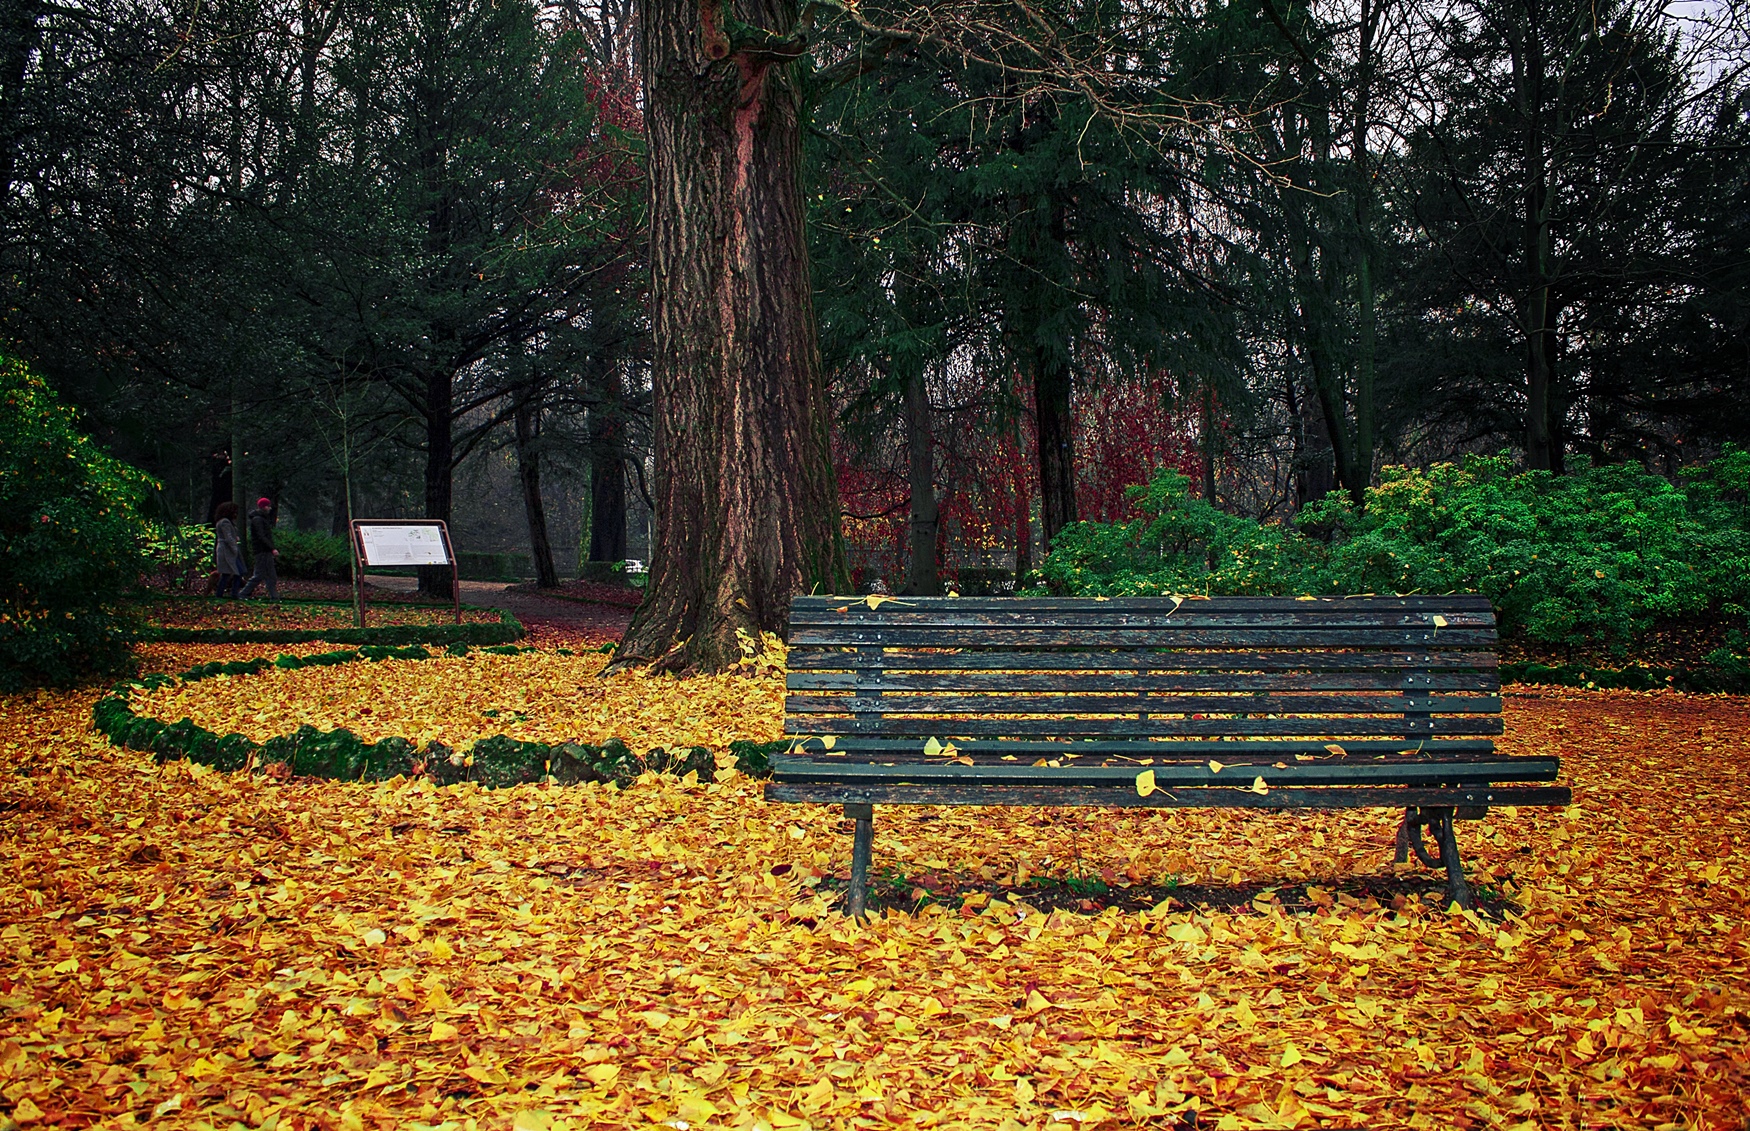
(261,539)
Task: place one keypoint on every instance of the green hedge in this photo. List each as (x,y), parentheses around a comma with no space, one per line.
(1725,671)
(1595,556)
(507,630)
(312,555)
(343,756)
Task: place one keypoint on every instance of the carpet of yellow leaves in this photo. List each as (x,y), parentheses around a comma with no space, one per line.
(254,615)
(531,696)
(201,950)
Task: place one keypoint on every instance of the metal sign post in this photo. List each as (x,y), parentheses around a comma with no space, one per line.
(403,542)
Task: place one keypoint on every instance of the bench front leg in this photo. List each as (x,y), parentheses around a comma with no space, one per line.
(1410,840)
(864,815)
(1457,890)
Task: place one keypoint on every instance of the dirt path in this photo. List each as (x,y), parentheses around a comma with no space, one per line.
(550,620)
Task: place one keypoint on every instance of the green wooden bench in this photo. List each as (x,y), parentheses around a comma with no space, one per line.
(1334,702)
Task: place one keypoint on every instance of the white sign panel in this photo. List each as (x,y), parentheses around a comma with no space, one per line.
(403,545)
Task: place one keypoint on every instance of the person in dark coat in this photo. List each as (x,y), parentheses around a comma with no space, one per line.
(228,551)
(261,541)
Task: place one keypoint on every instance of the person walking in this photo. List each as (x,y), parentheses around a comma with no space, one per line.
(261,541)
(228,551)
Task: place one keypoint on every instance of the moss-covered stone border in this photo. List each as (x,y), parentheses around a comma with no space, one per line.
(508,630)
(341,755)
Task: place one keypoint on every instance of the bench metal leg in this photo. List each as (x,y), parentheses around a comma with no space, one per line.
(1457,891)
(1439,820)
(864,815)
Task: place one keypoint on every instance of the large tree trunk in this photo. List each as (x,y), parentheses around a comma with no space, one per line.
(1023,515)
(439,453)
(923,579)
(1536,310)
(607,506)
(746,503)
(1365,298)
(528,465)
(607,475)
(1057,466)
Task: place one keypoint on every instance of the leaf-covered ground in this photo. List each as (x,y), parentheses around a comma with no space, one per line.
(197,950)
(532,697)
(259,613)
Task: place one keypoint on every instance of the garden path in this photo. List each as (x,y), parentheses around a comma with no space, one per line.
(550,620)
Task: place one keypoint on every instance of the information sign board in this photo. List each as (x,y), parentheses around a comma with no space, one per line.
(403,544)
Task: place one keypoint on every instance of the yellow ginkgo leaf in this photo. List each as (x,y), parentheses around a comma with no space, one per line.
(1259,787)
(932,747)
(1145,783)
(1214,766)
(829,742)
(1337,750)
(1439,621)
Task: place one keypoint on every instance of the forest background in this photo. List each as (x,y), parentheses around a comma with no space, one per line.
(390,258)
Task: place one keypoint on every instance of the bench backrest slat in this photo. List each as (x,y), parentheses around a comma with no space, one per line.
(1164,658)
(1146,674)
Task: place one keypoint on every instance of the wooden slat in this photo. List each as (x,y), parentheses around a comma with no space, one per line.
(1312,797)
(1037,727)
(1142,660)
(1005,620)
(1163,750)
(1435,603)
(922,636)
(949,704)
(1234,774)
(1082,682)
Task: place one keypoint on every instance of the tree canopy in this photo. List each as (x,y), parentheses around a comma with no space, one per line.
(339,252)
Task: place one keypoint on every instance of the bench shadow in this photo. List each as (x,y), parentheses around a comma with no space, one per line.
(1421,892)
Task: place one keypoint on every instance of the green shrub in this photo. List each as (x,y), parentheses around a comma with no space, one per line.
(1596,555)
(311,555)
(178,557)
(70,540)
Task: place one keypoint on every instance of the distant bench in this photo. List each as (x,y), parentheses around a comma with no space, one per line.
(1334,702)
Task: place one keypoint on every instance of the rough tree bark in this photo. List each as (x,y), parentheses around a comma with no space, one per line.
(746,501)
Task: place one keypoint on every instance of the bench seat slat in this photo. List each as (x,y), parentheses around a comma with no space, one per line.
(925,636)
(1142,660)
(1309,797)
(1237,774)
(1332,728)
(951,704)
(911,749)
(1007,620)
(1461,602)
(1061,683)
